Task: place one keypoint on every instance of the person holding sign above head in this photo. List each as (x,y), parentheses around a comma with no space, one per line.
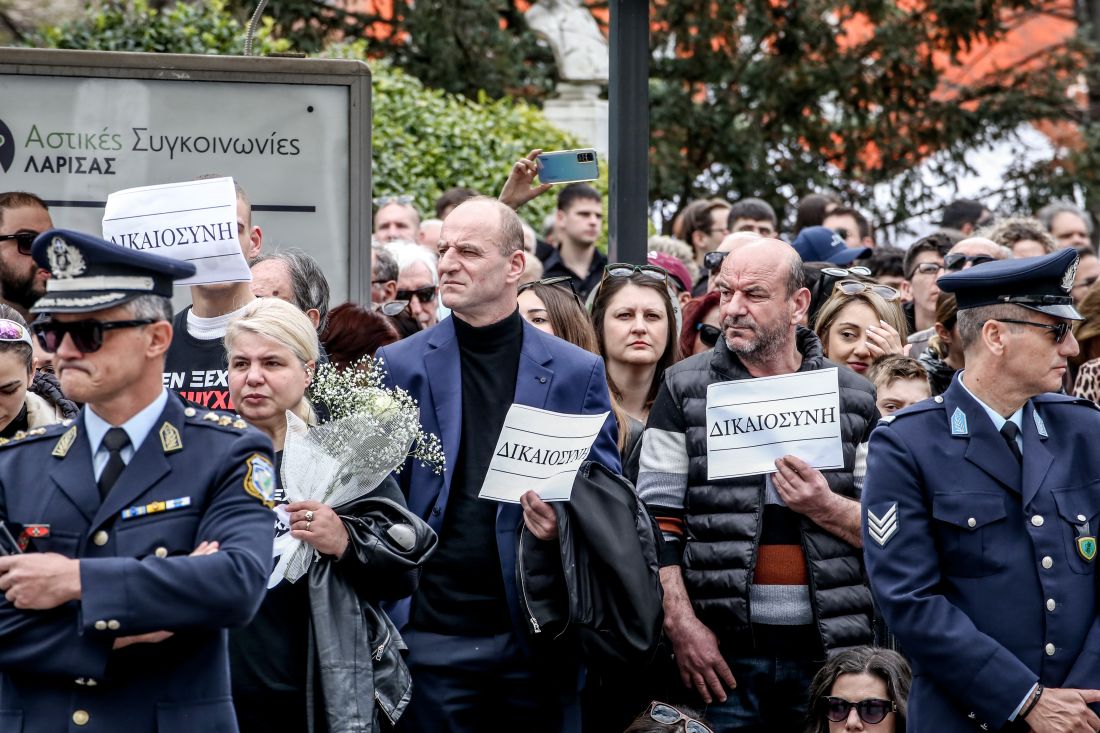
(981,511)
(143,526)
(473,664)
(768,531)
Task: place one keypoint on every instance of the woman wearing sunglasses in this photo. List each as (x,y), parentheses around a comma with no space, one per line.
(860,689)
(28,399)
(860,322)
(635,322)
(701,329)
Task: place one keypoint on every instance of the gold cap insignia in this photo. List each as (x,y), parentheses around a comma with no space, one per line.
(65,260)
(64,443)
(170,439)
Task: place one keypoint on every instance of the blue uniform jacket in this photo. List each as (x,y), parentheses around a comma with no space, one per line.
(975,562)
(553,375)
(58,671)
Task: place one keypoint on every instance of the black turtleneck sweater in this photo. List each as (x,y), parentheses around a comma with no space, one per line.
(461,589)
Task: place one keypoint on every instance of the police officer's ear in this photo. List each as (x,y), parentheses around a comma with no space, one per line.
(993,333)
(160,338)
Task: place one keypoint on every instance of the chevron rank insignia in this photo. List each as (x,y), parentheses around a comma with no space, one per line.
(883,528)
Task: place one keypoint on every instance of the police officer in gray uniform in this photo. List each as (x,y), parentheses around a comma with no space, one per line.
(981,509)
(141,529)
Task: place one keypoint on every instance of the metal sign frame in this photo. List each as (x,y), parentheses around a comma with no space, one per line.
(354,75)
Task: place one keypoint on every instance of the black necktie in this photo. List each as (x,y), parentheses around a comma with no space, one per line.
(114,441)
(1009,431)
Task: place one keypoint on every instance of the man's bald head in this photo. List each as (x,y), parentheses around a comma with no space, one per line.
(770,255)
(972,246)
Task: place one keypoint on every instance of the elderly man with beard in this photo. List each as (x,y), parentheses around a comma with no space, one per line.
(786,544)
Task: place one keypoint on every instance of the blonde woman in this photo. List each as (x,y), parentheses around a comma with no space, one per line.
(273,350)
(860,322)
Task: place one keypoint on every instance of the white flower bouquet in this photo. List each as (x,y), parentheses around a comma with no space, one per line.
(369,431)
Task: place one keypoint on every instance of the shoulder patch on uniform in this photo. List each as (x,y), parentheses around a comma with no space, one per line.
(259,480)
(61,448)
(882,528)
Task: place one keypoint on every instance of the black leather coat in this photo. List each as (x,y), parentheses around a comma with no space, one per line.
(355,654)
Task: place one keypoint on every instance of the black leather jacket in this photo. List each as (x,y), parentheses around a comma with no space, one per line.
(388,544)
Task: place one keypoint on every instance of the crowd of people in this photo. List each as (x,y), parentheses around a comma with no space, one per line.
(942,578)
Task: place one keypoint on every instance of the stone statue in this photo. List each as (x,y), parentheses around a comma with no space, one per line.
(580,50)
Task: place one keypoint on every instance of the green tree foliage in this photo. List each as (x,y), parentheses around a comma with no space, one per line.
(425,140)
(758,98)
(460,46)
(133,25)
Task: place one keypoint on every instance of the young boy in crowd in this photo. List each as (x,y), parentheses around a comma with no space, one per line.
(899,381)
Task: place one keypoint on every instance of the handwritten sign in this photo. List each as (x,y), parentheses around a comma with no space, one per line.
(539,451)
(194,221)
(752,422)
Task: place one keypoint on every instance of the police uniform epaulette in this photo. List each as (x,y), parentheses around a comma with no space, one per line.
(215,419)
(25,436)
(1053,398)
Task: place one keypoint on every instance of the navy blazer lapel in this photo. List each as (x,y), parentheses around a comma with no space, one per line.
(1037,459)
(443,370)
(72,472)
(146,467)
(534,377)
(986,448)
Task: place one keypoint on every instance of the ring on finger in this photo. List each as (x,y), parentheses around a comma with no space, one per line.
(308,522)
(309,515)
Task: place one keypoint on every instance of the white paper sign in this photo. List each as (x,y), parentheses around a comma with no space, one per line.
(752,422)
(194,221)
(539,451)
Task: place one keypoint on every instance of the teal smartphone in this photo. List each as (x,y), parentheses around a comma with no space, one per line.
(568,166)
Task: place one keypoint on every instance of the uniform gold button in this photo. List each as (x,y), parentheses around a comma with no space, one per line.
(100,538)
(1051,605)
(1048,563)
(1050,650)
(80,717)
(161,552)
(1037,521)
(100,625)
(113,625)
(972,522)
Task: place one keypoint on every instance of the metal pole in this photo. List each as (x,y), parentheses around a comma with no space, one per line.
(628,93)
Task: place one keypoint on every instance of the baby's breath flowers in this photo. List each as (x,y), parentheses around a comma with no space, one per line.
(391,413)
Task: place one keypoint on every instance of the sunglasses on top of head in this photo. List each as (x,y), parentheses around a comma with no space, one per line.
(668,715)
(855,287)
(87,335)
(560,281)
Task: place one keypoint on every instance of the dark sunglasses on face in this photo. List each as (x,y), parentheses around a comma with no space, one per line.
(23,241)
(708,334)
(669,715)
(854,287)
(87,335)
(422,294)
(871,711)
(958,261)
(712,261)
(1060,330)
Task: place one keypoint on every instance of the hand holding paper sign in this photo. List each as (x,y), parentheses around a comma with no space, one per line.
(539,451)
(539,517)
(195,221)
(805,490)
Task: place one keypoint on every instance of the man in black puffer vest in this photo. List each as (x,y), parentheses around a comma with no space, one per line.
(762,574)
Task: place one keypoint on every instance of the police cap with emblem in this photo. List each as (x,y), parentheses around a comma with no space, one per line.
(89,274)
(1040,283)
